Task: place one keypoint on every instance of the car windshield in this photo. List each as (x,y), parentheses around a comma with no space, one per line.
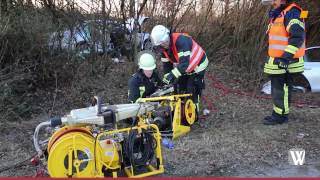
(313,54)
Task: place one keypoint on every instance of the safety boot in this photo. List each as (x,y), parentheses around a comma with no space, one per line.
(272,120)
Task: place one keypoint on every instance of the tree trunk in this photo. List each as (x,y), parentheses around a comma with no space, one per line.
(104,18)
(134,30)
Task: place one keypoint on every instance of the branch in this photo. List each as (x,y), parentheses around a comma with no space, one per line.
(141,8)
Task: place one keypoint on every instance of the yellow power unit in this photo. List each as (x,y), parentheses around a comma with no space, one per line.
(77,152)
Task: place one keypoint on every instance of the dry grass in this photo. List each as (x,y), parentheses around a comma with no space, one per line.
(230,142)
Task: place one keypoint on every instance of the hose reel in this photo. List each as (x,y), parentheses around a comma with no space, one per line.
(70,153)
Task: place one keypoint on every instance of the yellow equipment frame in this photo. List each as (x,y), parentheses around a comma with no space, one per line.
(129,171)
(94,147)
(175,103)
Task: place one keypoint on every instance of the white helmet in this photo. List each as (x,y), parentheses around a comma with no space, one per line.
(147,61)
(160,35)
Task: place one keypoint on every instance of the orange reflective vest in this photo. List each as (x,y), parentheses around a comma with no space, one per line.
(278,36)
(195,57)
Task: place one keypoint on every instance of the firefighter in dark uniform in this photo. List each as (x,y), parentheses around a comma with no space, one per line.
(286,50)
(144,82)
(183,60)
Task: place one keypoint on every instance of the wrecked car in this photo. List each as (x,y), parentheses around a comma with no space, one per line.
(88,36)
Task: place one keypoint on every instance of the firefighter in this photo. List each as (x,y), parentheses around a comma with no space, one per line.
(145,81)
(286,50)
(184,61)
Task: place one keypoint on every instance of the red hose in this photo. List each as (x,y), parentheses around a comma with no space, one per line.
(216,84)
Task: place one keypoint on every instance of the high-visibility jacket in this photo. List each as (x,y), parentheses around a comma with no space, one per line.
(279,36)
(196,54)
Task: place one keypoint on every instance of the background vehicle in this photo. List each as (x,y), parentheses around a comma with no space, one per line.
(310,78)
(88,36)
(312,68)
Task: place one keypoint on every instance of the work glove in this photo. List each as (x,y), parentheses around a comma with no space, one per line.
(283,63)
(168,78)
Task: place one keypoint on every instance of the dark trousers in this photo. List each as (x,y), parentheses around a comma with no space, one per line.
(281,91)
(191,84)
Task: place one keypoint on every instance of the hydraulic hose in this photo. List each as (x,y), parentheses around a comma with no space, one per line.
(143,143)
(36,136)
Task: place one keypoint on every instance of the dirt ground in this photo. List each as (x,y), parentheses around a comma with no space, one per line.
(229,142)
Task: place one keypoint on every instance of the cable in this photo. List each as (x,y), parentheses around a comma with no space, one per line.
(36,144)
(18,164)
(216,84)
(36,136)
(144,144)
